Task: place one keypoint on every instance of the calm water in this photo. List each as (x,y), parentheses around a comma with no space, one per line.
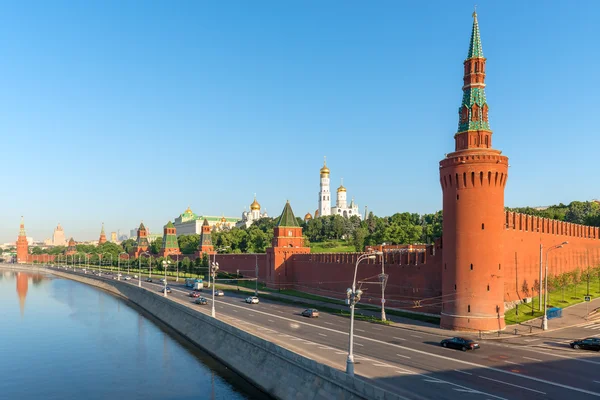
(61,339)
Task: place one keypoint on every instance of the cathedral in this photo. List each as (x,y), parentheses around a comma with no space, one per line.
(250,217)
(341,206)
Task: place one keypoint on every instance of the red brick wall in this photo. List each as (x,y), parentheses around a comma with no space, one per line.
(246,263)
(523,235)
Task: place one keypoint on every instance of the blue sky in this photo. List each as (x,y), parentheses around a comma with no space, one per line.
(121,111)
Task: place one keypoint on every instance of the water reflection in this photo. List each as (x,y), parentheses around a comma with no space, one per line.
(106,348)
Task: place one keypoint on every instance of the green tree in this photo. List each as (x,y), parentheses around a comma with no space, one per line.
(188,244)
(576,279)
(358,239)
(156,246)
(128,245)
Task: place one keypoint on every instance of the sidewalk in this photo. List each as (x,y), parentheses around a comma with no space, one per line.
(571,316)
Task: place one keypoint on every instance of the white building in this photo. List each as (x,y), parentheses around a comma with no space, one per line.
(250,217)
(190,223)
(341,206)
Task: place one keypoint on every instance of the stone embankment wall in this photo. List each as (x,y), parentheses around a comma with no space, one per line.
(277,371)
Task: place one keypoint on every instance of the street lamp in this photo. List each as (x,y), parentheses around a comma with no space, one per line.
(215,260)
(165,264)
(214,269)
(256,282)
(545,319)
(119,265)
(177,266)
(353,297)
(111,259)
(383,279)
(140,267)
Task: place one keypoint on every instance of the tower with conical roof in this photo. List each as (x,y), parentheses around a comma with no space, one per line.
(324,192)
(473,178)
(22,245)
(102,238)
(71,248)
(287,241)
(205,244)
(170,245)
(141,244)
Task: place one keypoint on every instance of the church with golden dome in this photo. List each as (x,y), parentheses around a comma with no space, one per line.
(341,206)
(250,217)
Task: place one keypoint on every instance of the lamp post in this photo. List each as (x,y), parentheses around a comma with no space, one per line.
(119,265)
(177,266)
(140,267)
(353,297)
(545,319)
(215,260)
(214,269)
(383,279)
(165,264)
(99,261)
(87,262)
(256,282)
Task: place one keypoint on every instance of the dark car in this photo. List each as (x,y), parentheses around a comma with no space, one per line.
(194,294)
(201,300)
(460,343)
(310,313)
(167,289)
(586,344)
(148,279)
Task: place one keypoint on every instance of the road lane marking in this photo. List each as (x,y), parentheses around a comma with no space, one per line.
(284,335)
(377,329)
(420,337)
(531,340)
(322,334)
(302,340)
(252,315)
(328,323)
(464,388)
(511,384)
(399,338)
(384,365)
(360,330)
(532,359)
(234,310)
(270,320)
(358,344)
(402,355)
(511,362)
(340,352)
(463,372)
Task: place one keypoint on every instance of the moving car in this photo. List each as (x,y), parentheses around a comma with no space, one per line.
(310,313)
(460,343)
(127,278)
(219,293)
(201,300)
(252,300)
(591,343)
(162,289)
(162,280)
(194,294)
(148,279)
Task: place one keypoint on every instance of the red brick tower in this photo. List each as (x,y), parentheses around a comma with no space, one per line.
(170,244)
(205,245)
(22,246)
(287,241)
(102,236)
(473,178)
(71,249)
(141,244)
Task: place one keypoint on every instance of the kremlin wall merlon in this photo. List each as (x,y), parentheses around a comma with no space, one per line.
(486,260)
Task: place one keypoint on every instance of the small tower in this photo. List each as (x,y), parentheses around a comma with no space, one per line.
(341,201)
(473,178)
(71,249)
(102,236)
(287,240)
(205,245)
(141,244)
(22,245)
(169,244)
(324,193)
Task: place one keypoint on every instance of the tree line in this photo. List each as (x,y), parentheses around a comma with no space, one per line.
(577,212)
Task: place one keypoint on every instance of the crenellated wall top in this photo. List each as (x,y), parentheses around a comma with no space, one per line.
(529,223)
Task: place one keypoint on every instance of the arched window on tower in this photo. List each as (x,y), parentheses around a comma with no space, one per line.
(475,113)
(484,113)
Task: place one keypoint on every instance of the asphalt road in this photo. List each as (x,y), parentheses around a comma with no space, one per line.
(410,362)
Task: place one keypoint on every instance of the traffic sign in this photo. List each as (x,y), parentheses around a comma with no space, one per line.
(588,298)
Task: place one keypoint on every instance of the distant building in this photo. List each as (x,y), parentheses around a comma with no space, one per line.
(58,237)
(250,217)
(189,223)
(341,205)
(102,238)
(113,237)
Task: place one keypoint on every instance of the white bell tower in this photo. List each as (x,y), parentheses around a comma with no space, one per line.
(324,193)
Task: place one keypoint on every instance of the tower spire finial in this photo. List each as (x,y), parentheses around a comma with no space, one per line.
(475,50)
(475,11)
(325,160)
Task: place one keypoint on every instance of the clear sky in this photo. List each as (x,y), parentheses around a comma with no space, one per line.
(122,111)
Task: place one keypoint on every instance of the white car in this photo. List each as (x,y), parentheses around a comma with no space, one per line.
(219,293)
(162,280)
(127,278)
(252,300)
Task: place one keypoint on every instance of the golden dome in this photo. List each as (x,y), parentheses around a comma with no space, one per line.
(341,189)
(223,219)
(255,205)
(307,216)
(188,211)
(324,169)
(316,213)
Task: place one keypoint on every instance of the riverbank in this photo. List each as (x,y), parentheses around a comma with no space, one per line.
(280,372)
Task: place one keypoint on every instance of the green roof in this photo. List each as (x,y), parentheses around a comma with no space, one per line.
(205,222)
(142,227)
(169,225)
(475,50)
(287,217)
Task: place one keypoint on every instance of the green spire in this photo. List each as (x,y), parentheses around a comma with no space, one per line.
(287,218)
(475,50)
(102,231)
(142,227)
(169,225)
(170,239)
(205,222)
(22,228)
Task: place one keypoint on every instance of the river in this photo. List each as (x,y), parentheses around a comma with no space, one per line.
(61,339)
